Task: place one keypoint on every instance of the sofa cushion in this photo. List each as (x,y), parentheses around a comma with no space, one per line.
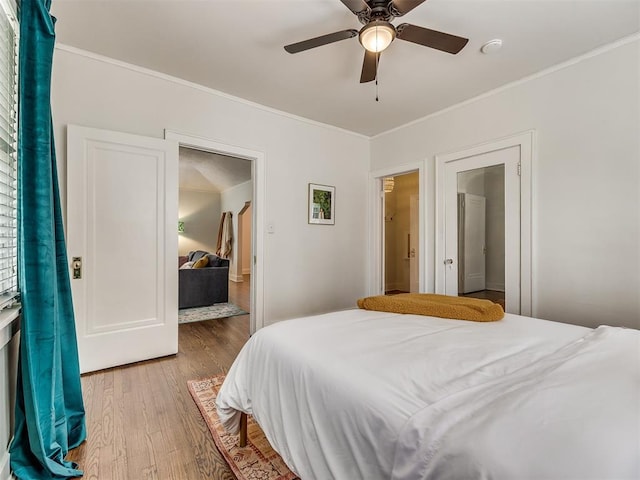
(201,262)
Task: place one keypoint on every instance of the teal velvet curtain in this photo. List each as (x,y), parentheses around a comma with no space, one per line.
(49,408)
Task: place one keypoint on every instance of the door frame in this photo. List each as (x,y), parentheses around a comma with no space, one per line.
(526,141)
(376,225)
(257,158)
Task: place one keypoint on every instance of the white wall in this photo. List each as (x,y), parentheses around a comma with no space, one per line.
(200,212)
(472,181)
(233,200)
(307,268)
(586,182)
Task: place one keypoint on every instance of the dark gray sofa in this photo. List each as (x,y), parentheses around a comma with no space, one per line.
(201,287)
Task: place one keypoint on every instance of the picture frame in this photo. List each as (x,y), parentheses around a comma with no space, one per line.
(322,204)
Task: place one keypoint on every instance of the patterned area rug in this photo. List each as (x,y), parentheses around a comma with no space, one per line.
(219,310)
(256,461)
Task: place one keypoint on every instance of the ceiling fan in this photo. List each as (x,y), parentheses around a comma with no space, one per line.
(378,33)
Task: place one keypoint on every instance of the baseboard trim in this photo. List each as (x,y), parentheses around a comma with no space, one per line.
(498,287)
(246,271)
(236,278)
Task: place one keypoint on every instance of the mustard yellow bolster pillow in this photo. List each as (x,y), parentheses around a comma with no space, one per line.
(201,262)
(444,306)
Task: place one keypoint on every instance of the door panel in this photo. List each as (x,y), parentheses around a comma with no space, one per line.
(122,214)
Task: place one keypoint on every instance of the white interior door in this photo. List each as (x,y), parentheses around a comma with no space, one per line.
(472,239)
(510,158)
(122,202)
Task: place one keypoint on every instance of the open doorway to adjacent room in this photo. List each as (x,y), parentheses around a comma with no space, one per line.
(214,216)
(401,233)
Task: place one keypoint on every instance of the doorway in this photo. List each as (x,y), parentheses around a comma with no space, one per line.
(408,182)
(401,227)
(235,203)
(213,196)
(468,182)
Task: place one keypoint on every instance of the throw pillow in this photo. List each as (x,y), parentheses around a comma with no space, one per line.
(201,263)
(186,266)
(182,259)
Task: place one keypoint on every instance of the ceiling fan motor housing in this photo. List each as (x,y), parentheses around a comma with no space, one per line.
(378,10)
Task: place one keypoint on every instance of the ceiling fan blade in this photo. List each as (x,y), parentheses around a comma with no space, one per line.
(356,6)
(402,7)
(319,41)
(369,66)
(431,38)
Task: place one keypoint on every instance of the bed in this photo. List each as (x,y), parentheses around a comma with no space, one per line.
(376,395)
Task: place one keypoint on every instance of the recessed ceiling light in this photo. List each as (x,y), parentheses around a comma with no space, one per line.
(491,46)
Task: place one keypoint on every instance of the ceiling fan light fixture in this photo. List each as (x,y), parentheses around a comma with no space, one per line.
(377,35)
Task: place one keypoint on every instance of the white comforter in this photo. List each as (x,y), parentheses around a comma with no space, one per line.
(361,394)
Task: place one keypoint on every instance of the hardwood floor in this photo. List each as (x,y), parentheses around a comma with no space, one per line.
(142,422)
(493,295)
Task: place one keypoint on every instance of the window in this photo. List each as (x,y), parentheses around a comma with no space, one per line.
(8,154)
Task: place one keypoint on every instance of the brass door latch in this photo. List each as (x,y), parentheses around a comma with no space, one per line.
(76,265)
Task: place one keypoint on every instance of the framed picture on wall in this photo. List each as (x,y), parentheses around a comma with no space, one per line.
(322,204)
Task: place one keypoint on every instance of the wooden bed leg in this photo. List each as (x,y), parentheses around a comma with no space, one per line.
(243,430)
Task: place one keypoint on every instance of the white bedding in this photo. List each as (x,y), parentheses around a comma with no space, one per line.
(362,394)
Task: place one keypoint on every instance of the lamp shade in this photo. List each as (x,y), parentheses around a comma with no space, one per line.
(377,35)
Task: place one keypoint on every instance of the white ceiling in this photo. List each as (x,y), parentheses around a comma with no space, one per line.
(204,171)
(235,46)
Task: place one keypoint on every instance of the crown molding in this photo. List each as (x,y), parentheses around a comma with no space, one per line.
(542,73)
(196,86)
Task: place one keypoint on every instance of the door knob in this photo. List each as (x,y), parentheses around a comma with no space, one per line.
(76,265)
(448,261)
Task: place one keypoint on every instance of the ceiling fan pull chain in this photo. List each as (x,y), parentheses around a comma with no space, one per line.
(377,60)
(377,57)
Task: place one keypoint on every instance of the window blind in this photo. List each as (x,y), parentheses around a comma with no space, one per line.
(8,155)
